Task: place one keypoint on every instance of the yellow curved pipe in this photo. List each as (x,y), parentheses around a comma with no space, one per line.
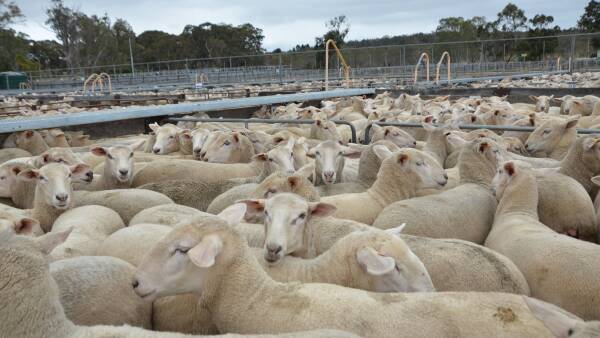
(345,66)
(439,65)
(426,56)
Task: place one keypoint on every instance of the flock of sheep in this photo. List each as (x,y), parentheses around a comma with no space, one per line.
(293,231)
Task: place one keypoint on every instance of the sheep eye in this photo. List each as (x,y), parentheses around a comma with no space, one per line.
(547,131)
(270,160)
(171,137)
(302,216)
(2,177)
(269,193)
(420,163)
(266,213)
(42,178)
(70,175)
(60,160)
(340,153)
(110,156)
(226,143)
(130,155)
(181,250)
(318,153)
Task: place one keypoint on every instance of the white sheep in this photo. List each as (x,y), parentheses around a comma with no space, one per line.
(400,175)
(552,138)
(559,269)
(227,147)
(213,250)
(330,159)
(119,166)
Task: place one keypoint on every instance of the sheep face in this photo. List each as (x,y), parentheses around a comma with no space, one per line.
(591,152)
(542,103)
(279,159)
(329,159)
(561,324)
(54,182)
(285,217)
(55,138)
(395,135)
(167,138)
(506,171)
(119,160)
(25,139)
(422,167)
(548,134)
(225,148)
(7,177)
(199,137)
(180,262)
(325,130)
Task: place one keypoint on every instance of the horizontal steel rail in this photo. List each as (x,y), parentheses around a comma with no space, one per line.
(464,126)
(110,115)
(268,121)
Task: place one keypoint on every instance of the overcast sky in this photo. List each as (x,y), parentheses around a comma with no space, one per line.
(287,23)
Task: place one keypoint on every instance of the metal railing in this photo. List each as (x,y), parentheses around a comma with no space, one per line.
(367,137)
(267,121)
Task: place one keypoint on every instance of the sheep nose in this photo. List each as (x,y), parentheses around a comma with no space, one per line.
(197,151)
(415,143)
(135,283)
(274,249)
(123,172)
(156,150)
(328,174)
(61,197)
(89,174)
(446,176)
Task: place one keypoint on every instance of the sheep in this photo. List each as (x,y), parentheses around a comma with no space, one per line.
(559,269)
(583,106)
(325,130)
(464,212)
(393,134)
(131,243)
(561,323)
(8,154)
(167,138)
(97,291)
(91,225)
(30,141)
(55,138)
(552,138)
(400,175)
(53,190)
(162,170)
(329,161)
(126,202)
(166,214)
(368,168)
(582,161)
(200,193)
(296,183)
(119,166)
(213,250)
(199,136)
(542,103)
(77,138)
(227,147)
(29,291)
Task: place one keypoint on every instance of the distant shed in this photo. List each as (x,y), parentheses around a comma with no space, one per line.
(12,80)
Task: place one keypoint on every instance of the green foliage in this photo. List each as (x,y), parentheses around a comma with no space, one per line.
(9,13)
(590,20)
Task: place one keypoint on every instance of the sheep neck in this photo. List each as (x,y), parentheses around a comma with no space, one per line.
(37,148)
(474,169)
(574,166)
(30,297)
(520,196)
(436,145)
(232,292)
(392,185)
(564,144)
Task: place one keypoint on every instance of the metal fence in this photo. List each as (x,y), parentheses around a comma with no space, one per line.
(397,62)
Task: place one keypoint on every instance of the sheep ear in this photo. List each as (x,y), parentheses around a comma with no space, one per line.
(558,99)
(551,97)
(28,175)
(374,263)
(553,317)
(510,168)
(590,142)
(236,137)
(46,158)
(293,181)
(311,152)
(572,122)
(456,141)
(25,226)
(352,151)
(290,143)
(29,133)
(318,123)
(397,230)
(306,171)
(382,152)
(596,180)
(233,214)
(79,169)
(483,146)
(254,207)
(376,127)
(262,157)
(321,209)
(99,151)
(533,98)
(203,255)
(51,240)
(403,158)
(154,126)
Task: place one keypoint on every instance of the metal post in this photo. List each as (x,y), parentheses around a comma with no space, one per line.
(280,70)
(572,58)
(543,50)
(131,58)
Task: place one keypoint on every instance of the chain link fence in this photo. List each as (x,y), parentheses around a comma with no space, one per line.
(382,63)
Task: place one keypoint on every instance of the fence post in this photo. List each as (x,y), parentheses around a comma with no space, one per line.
(572,57)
